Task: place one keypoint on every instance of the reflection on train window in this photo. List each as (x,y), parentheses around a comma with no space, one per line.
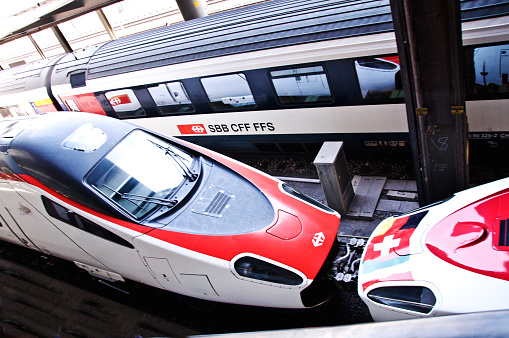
(5,112)
(301,85)
(491,67)
(67,216)
(141,173)
(379,78)
(13,111)
(125,103)
(72,105)
(228,91)
(171,98)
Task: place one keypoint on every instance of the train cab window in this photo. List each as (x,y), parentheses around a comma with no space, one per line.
(229,92)
(67,216)
(487,76)
(125,103)
(171,98)
(142,173)
(379,78)
(301,85)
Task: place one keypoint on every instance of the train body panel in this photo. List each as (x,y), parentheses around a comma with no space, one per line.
(197,275)
(342,120)
(448,258)
(123,202)
(485,115)
(279,61)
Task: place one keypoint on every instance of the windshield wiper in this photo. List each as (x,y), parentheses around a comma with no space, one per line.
(178,159)
(133,197)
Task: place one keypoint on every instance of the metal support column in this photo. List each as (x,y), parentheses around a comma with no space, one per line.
(61,38)
(39,50)
(106,24)
(192,9)
(428,34)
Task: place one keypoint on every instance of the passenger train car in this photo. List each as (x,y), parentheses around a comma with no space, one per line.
(279,76)
(448,258)
(123,202)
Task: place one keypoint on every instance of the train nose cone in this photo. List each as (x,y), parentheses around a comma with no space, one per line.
(287,226)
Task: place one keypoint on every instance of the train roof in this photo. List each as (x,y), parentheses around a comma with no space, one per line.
(55,149)
(275,23)
(25,77)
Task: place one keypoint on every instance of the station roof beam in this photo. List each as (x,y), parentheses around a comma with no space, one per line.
(192,9)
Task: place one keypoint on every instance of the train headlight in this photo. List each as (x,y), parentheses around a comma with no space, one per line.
(257,269)
(412,298)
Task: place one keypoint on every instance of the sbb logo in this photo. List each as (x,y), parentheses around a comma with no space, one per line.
(198,129)
(318,239)
(119,99)
(191,129)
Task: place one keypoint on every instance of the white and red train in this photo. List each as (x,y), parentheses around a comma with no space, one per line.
(123,202)
(279,76)
(448,258)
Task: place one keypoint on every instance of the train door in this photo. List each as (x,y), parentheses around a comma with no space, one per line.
(110,244)
(10,231)
(21,210)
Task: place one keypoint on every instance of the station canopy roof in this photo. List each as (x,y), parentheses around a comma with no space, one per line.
(29,16)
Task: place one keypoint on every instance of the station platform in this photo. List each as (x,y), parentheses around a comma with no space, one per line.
(35,305)
(376,198)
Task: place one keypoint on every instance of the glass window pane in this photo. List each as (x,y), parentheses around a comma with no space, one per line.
(125,103)
(229,91)
(133,16)
(84,31)
(379,78)
(48,42)
(491,69)
(171,98)
(87,138)
(139,173)
(301,85)
(72,105)
(19,50)
(61,212)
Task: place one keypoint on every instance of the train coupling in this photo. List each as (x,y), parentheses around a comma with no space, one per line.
(345,267)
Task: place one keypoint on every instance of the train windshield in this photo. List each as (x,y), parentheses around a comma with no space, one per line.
(142,173)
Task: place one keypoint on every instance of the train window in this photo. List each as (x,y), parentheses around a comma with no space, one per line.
(229,92)
(72,105)
(125,103)
(13,111)
(78,80)
(379,78)
(171,98)
(5,112)
(67,216)
(141,174)
(87,138)
(490,67)
(301,85)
